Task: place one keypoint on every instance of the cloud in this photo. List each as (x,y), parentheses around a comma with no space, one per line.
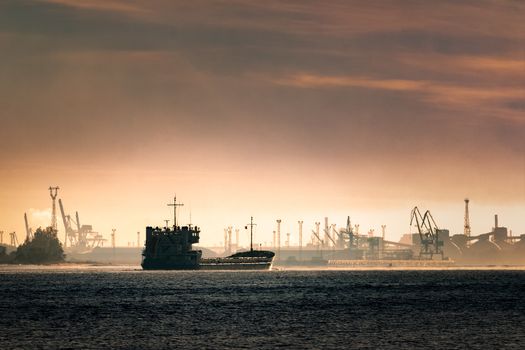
(122,7)
(512,64)
(491,98)
(305,80)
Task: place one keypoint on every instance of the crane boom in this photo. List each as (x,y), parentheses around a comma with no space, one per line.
(317,236)
(28,230)
(327,232)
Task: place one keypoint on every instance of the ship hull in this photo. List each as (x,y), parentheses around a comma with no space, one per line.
(235,264)
(209,264)
(167,265)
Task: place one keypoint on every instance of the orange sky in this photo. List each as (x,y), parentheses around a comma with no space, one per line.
(292,110)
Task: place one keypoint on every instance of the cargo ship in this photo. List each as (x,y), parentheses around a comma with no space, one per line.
(170,248)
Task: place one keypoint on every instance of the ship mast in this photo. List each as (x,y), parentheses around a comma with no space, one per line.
(251,224)
(175,205)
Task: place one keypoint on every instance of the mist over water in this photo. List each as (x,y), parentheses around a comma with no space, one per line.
(121,308)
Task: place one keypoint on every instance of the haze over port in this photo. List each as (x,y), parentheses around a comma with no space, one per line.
(284,110)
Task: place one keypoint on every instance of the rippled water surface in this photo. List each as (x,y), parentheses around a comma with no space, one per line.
(122,308)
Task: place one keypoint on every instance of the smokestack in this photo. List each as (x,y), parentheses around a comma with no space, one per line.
(496,221)
(466,228)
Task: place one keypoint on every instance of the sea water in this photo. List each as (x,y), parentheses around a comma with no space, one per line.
(124,308)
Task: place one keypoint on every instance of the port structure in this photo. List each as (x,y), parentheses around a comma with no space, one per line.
(251,224)
(278,238)
(14,239)
(344,237)
(300,222)
(383,235)
(466,229)
(113,236)
(327,237)
(226,248)
(29,231)
(81,238)
(428,233)
(315,233)
(229,245)
(53,192)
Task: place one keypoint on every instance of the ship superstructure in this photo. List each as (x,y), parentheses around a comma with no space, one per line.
(171,248)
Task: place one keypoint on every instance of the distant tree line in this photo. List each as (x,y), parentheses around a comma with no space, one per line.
(44,248)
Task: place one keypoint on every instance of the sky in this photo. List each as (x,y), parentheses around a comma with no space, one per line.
(291,110)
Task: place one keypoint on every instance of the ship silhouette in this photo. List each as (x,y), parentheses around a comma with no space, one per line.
(171,248)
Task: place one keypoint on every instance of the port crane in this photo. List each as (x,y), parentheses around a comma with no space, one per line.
(83,237)
(316,235)
(428,233)
(327,234)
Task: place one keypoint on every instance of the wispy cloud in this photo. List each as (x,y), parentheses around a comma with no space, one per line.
(123,7)
(482,99)
(305,80)
(511,64)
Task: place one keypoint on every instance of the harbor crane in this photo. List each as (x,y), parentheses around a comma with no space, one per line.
(347,234)
(316,233)
(428,233)
(14,239)
(327,234)
(82,236)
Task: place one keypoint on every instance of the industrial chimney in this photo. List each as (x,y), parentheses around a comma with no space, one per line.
(466,229)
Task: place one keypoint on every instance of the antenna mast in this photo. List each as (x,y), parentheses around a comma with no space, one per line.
(53,191)
(251,224)
(175,205)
